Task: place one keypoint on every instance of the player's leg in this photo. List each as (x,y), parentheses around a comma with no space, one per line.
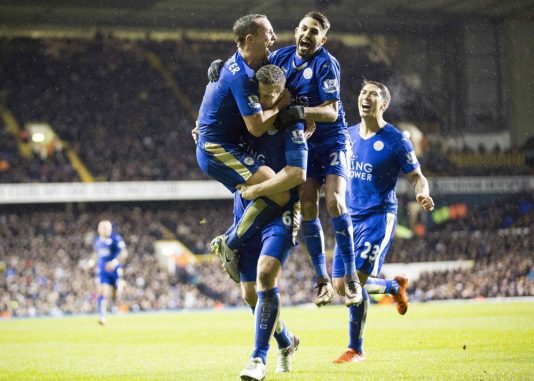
(314,238)
(372,238)
(357,314)
(104,292)
(258,212)
(396,287)
(275,251)
(335,189)
(232,165)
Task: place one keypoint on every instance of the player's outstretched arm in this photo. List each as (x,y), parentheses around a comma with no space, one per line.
(288,178)
(422,191)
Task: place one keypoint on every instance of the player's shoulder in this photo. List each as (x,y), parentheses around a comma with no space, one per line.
(282,52)
(395,136)
(392,132)
(116,238)
(323,56)
(234,67)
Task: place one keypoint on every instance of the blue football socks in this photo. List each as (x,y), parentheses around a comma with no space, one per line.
(343,233)
(381,286)
(313,235)
(266,315)
(357,317)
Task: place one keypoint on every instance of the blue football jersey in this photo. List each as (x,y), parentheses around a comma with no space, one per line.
(225,102)
(312,83)
(277,149)
(375,167)
(107,250)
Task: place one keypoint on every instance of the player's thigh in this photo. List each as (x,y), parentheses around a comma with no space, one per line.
(106,289)
(372,239)
(309,198)
(228,164)
(335,188)
(276,248)
(263,173)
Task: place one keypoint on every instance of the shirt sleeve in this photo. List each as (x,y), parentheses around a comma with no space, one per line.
(245,92)
(329,79)
(296,146)
(405,156)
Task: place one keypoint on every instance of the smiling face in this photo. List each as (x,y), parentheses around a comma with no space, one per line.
(371,102)
(265,36)
(309,37)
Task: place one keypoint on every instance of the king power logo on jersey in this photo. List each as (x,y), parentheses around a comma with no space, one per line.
(360,170)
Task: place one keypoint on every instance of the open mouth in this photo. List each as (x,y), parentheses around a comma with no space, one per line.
(305,44)
(366,107)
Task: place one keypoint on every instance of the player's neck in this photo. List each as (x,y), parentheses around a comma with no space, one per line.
(251,59)
(370,126)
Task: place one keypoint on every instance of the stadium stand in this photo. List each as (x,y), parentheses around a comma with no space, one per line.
(111,101)
(45,249)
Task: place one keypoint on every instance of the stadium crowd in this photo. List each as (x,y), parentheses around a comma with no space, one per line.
(43,261)
(113,106)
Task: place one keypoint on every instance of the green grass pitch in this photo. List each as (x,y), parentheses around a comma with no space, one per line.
(435,341)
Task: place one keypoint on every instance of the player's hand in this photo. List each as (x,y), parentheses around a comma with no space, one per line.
(194,134)
(112,265)
(425,201)
(310,129)
(214,71)
(289,116)
(248,192)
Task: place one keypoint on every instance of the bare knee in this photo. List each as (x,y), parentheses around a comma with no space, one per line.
(266,279)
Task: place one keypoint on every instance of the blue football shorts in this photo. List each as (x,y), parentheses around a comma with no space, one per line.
(328,158)
(276,240)
(229,164)
(112,278)
(372,238)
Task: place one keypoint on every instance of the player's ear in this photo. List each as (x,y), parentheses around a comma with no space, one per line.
(323,40)
(249,38)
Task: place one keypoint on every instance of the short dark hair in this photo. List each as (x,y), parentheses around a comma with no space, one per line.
(246,25)
(271,75)
(320,18)
(384,91)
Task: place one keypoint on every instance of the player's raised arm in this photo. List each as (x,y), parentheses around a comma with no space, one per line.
(422,191)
